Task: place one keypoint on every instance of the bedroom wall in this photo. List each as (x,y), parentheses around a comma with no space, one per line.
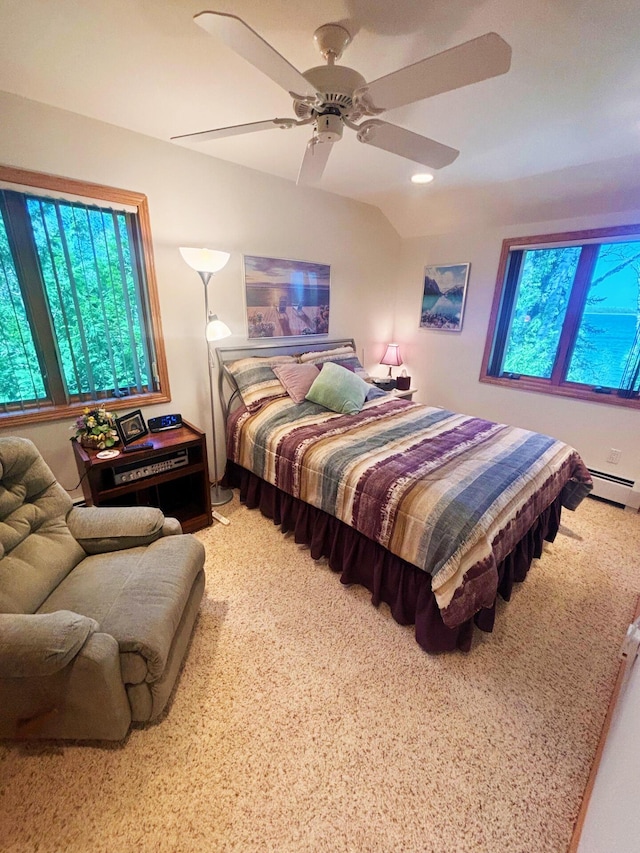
(199,201)
(446,365)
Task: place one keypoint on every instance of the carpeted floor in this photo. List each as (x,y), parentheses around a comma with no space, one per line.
(307,720)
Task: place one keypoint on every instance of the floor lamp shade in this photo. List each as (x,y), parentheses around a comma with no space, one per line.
(207,262)
(216,330)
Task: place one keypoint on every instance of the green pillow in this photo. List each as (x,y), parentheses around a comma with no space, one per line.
(338,389)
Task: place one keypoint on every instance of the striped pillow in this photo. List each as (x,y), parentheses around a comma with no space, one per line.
(256,380)
(344,356)
(325,355)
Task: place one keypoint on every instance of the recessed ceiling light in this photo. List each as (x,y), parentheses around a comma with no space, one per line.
(421,178)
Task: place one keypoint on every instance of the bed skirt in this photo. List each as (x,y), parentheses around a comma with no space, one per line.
(405,588)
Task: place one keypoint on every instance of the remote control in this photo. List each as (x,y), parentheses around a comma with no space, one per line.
(143,445)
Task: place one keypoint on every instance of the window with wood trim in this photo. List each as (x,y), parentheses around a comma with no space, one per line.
(79,318)
(566,316)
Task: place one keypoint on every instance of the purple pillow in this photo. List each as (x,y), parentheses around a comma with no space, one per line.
(297,379)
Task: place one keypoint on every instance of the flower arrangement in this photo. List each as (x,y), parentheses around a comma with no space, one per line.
(96,428)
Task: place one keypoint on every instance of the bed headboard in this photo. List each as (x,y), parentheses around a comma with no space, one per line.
(229,394)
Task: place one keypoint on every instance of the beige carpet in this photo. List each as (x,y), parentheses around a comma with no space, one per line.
(307,720)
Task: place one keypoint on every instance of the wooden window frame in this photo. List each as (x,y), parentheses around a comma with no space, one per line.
(500,316)
(48,411)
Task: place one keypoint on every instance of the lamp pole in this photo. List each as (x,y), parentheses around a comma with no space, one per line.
(206,262)
(219,495)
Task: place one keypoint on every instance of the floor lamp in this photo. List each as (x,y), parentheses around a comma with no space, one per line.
(207,262)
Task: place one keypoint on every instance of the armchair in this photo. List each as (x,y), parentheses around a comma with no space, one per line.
(97,606)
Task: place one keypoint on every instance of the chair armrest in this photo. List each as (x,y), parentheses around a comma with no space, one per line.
(171,527)
(33,644)
(101,529)
(86,699)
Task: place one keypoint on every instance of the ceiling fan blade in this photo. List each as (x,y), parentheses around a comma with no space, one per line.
(314,160)
(247,43)
(237,129)
(407,144)
(479,59)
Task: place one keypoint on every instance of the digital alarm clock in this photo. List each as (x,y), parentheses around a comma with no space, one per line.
(164,422)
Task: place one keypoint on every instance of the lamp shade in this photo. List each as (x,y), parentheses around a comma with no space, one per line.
(392,356)
(204,260)
(216,329)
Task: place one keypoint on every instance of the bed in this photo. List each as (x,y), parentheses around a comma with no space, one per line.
(435,512)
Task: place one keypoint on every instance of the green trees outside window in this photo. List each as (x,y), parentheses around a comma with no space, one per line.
(78,308)
(566,318)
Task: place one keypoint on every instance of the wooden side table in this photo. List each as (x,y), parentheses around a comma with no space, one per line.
(173,475)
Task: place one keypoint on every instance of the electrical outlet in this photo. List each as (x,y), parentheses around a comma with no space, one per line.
(614,456)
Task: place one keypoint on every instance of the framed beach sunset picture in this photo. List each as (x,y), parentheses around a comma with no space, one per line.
(444,290)
(286,298)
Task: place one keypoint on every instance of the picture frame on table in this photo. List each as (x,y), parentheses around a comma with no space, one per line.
(131,427)
(286,298)
(444,293)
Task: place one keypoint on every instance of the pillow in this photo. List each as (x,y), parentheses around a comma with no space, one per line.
(339,390)
(327,353)
(374,392)
(345,356)
(296,378)
(256,380)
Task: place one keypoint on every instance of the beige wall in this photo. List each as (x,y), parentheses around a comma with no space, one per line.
(199,201)
(446,365)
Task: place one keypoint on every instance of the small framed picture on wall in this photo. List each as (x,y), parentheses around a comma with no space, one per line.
(444,291)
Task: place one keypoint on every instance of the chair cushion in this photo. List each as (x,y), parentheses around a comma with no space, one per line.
(137,596)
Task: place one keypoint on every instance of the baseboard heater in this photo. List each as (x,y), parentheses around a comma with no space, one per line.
(618,490)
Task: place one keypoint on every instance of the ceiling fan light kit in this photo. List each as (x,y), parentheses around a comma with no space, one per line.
(331,97)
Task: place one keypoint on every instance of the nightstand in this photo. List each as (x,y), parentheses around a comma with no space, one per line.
(173,475)
(406,395)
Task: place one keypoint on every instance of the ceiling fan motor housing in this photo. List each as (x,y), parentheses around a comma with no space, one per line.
(335,85)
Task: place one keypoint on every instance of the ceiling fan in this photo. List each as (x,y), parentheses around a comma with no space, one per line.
(330,97)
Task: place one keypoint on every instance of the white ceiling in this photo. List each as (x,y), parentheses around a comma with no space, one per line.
(566,118)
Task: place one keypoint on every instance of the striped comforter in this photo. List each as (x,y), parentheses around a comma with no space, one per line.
(449,493)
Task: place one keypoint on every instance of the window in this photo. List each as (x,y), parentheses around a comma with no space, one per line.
(566,316)
(79,317)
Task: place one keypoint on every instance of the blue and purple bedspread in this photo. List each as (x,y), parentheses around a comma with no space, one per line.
(449,493)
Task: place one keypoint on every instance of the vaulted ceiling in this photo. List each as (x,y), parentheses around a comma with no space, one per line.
(560,130)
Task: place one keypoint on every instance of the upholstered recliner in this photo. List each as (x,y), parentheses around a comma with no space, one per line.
(97,606)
